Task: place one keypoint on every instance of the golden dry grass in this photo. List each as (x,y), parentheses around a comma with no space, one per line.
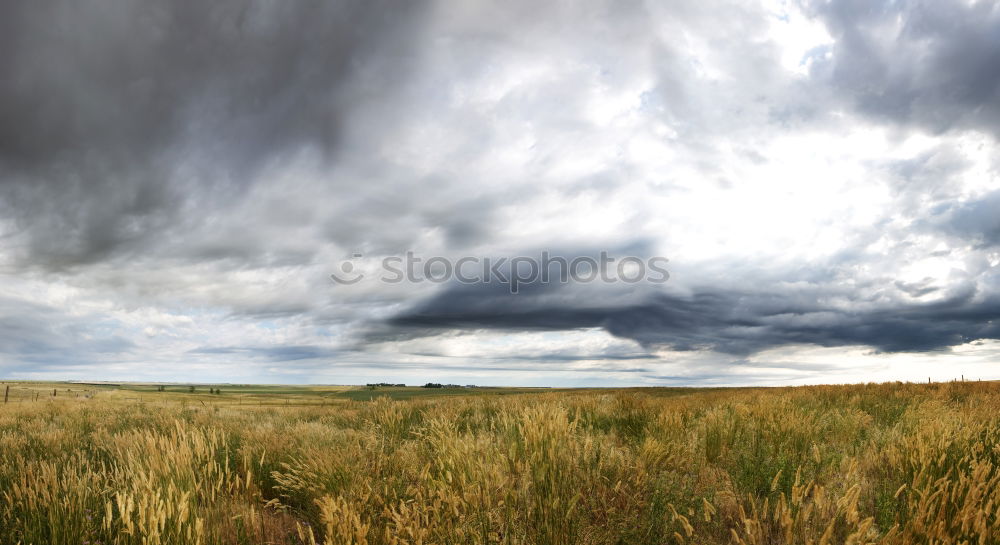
(887,464)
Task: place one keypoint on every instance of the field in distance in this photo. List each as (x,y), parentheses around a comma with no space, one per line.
(178,464)
(238,394)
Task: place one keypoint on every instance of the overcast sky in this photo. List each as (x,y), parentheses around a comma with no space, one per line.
(178,180)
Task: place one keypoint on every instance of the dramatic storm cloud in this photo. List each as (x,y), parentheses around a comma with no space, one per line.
(179,181)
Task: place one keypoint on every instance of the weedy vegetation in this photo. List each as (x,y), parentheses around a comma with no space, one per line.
(878,463)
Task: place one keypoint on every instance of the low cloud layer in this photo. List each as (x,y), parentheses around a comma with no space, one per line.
(177,182)
(732,321)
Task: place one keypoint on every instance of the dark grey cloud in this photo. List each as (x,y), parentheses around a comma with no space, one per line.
(931,65)
(733,321)
(976,222)
(120,120)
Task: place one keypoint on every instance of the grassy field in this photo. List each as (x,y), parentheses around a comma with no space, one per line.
(127,464)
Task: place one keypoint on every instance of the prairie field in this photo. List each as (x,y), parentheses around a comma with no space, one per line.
(887,463)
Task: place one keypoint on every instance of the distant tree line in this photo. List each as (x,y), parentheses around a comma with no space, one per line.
(191,389)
